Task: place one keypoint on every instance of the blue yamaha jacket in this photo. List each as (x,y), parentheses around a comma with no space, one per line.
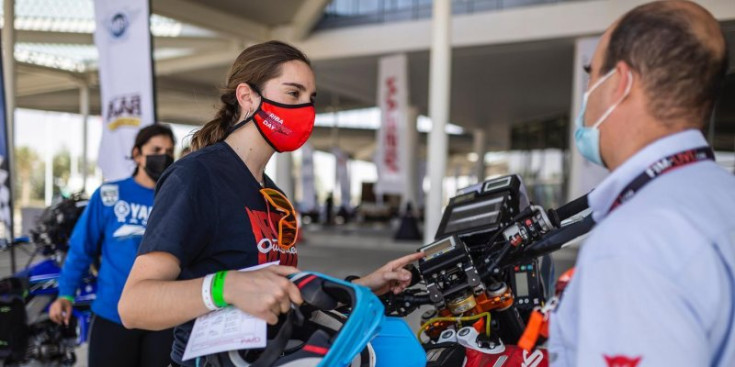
(113,223)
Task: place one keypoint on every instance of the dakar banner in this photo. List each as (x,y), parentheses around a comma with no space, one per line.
(123,40)
(393,103)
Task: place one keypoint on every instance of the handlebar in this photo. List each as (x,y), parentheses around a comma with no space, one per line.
(4,245)
(407,302)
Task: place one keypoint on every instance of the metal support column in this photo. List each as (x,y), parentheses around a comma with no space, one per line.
(439,88)
(84,111)
(284,176)
(8,45)
(480,148)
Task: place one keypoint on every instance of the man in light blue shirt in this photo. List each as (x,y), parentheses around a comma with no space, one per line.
(655,281)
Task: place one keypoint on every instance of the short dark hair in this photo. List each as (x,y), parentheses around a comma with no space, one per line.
(682,74)
(147,133)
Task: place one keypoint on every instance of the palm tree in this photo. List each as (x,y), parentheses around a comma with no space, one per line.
(26,161)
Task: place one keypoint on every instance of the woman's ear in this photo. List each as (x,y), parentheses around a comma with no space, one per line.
(137,156)
(247,98)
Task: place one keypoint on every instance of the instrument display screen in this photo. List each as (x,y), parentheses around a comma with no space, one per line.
(438,248)
(521,284)
(481,213)
(481,208)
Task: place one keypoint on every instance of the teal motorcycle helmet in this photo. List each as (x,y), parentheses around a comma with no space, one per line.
(333,328)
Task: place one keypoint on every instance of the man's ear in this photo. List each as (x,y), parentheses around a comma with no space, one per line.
(626,78)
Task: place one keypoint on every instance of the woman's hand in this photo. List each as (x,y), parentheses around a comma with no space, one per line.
(60,311)
(391,276)
(264,293)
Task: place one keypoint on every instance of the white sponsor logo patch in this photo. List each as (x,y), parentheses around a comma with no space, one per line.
(110,194)
(129,230)
(132,213)
(122,209)
(266,246)
(139,213)
(532,360)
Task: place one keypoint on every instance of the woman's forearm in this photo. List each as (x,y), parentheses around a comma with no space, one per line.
(160,304)
(154,300)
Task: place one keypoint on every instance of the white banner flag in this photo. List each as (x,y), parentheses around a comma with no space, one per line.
(308,193)
(343,176)
(123,40)
(393,103)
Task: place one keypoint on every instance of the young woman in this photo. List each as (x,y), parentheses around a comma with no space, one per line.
(112,227)
(216,210)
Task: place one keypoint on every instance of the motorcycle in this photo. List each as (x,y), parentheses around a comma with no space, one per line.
(27,335)
(486,276)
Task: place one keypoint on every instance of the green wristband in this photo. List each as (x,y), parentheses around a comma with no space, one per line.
(218,288)
(68,298)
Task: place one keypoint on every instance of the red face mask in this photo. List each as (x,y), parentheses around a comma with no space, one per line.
(285,127)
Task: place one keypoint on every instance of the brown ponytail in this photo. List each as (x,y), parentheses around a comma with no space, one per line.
(255,66)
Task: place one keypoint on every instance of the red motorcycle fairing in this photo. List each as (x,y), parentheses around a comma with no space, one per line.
(513,356)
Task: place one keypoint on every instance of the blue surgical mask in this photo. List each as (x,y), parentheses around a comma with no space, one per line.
(586,138)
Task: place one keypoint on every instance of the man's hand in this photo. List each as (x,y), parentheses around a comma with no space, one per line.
(391,276)
(60,311)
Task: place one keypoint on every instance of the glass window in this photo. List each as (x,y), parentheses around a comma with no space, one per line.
(368,6)
(343,7)
(405,4)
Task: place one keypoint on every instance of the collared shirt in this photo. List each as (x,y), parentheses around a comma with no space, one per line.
(655,281)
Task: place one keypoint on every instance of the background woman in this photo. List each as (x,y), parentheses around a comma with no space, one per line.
(112,227)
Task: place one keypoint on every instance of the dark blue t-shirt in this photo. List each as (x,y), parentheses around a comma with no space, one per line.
(209,213)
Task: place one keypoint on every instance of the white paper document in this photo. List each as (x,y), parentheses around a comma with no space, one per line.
(226,329)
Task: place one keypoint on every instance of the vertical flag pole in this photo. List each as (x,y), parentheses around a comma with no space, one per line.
(8,43)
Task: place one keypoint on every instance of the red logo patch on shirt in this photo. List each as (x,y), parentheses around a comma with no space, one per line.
(267,239)
(622,361)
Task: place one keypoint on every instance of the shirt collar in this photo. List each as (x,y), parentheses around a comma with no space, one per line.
(603,196)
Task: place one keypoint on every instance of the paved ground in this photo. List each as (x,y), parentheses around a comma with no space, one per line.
(339,252)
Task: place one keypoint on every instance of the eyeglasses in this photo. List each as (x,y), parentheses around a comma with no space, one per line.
(288,228)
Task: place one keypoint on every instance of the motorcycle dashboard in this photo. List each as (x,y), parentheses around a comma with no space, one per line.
(438,248)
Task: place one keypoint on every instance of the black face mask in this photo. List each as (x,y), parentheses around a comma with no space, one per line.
(155,164)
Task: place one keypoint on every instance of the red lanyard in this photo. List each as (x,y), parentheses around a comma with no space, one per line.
(663,165)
